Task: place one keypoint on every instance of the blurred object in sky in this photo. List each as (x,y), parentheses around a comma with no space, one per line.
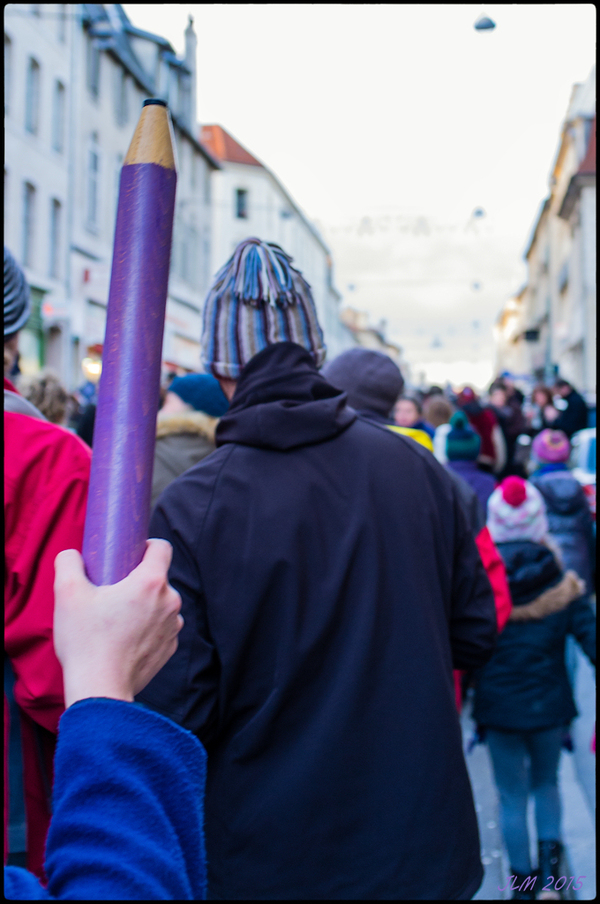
(476,285)
(484,23)
(478,212)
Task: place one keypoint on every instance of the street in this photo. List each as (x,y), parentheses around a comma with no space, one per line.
(577,784)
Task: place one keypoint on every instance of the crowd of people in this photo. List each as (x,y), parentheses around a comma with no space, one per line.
(268,706)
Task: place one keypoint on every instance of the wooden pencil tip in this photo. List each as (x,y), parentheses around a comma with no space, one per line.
(152,140)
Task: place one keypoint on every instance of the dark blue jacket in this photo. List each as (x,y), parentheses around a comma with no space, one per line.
(569,518)
(329,582)
(127,817)
(524,686)
(482,483)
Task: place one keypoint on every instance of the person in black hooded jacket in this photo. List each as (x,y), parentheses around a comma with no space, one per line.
(523,698)
(329,583)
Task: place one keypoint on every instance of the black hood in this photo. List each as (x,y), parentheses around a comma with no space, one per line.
(531,568)
(281,401)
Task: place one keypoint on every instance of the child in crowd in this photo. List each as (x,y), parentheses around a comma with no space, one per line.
(523,699)
(462,449)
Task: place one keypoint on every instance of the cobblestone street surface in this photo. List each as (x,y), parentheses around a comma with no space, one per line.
(577,785)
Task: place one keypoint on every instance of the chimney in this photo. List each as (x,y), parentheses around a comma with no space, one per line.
(191,43)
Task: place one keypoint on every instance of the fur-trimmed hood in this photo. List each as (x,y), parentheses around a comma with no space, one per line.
(553,600)
(192,422)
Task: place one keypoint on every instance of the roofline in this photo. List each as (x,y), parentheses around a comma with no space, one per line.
(543,208)
(272,175)
(215,125)
(298,210)
(576,183)
(140,75)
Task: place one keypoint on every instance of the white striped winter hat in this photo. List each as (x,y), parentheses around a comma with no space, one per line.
(16,296)
(516,511)
(257,298)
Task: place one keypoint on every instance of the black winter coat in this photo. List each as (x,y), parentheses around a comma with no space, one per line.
(330,582)
(575,415)
(524,686)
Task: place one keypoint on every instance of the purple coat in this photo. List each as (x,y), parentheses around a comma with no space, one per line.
(483,484)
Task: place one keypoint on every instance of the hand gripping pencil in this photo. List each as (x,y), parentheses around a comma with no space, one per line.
(118,510)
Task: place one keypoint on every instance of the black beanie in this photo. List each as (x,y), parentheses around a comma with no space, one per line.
(371,379)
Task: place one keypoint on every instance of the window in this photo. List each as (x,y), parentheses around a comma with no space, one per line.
(55,228)
(58,117)
(93,189)
(121,107)
(7,71)
(241,203)
(62,23)
(28,221)
(93,66)
(32,96)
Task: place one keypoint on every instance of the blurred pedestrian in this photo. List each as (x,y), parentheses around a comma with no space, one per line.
(462,448)
(85,424)
(492,456)
(185,432)
(575,416)
(328,581)
(544,413)
(506,403)
(409,413)
(46,392)
(523,701)
(164,386)
(437,410)
(46,473)
(370,380)
(570,522)
(569,518)
(129,783)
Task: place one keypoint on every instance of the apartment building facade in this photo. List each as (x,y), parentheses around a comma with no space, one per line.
(75,80)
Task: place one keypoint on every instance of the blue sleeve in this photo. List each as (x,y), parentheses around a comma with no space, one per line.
(128,806)
(20,885)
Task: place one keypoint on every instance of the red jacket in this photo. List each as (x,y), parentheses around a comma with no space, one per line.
(496,572)
(46,474)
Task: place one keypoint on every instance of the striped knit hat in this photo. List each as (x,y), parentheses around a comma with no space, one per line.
(516,511)
(257,298)
(16,296)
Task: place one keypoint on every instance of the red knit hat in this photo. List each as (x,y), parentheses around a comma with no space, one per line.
(514,491)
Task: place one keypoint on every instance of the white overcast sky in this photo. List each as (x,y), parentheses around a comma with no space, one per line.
(362,110)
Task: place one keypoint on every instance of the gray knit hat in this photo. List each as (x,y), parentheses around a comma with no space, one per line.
(257,298)
(370,378)
(16,296)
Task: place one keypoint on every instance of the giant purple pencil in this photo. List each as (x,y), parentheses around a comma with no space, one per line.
(118,512)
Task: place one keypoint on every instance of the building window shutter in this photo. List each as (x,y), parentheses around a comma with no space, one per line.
(28,223)
(55,229)
(93,184)
(32,97)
